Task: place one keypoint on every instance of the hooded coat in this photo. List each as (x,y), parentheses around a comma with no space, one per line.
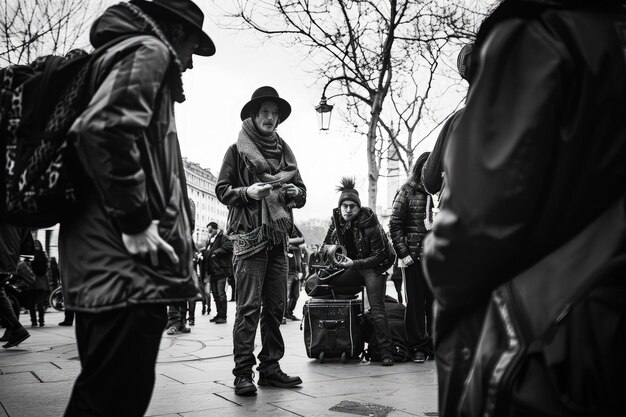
(128,148)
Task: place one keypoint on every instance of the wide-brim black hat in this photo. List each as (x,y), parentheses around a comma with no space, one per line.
(263,94)
(185,10)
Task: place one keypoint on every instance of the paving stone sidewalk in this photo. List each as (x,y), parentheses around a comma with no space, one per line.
(194,377)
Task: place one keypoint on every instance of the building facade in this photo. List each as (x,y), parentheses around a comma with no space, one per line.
(201,189)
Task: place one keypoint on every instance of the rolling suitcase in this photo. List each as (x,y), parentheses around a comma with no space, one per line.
(332,328)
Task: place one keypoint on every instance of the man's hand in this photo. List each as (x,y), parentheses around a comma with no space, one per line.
(290,190)
(149,243)
(346,263)
(259,190)
(406,261)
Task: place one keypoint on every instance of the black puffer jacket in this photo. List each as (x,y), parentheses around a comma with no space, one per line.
(367,234)
(406,225)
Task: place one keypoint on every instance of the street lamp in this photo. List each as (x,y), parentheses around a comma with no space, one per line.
(324,111)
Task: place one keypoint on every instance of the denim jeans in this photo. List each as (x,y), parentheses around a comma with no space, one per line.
(176,314)
(261,282)
(293,291)
(218,290)
(375,286)
(419,307)
(6,310)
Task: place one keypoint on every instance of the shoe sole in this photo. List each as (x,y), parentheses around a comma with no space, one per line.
(17,342)
(246,392)
(266,383)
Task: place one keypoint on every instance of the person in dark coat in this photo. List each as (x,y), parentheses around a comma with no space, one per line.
(260,183)
(36,293)
(359,231)
(218,264)
(127,249)
(537,155)
(407,230)
(14,241)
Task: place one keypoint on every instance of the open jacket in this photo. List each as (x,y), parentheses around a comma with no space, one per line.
(244,214)
(127,146)
(217,259)
(367,234)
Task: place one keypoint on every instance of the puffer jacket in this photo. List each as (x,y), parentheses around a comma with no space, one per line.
(406,224)
(244,214)
(367,234)
(127,146)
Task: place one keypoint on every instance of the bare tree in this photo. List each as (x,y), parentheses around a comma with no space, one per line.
(371,52)
(30,28)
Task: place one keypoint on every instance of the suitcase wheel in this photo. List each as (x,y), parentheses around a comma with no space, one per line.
(321,357)
(344,357)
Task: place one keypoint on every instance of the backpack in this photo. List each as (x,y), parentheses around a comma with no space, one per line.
(396,313)
(38,104)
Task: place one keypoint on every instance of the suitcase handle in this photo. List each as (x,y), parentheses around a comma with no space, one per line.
(331,324)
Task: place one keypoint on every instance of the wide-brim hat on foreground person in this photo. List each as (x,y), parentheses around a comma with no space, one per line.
(261,95)
(185,10)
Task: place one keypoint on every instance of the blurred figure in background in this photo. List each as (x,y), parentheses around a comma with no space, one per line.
(13,242)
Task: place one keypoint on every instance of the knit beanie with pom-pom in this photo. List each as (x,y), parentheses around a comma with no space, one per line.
(346,188)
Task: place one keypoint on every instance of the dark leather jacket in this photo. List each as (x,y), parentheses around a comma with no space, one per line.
(244,215)
(367,234)
(406,224)
(537,154)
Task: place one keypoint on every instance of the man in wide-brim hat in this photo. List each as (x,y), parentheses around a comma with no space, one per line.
(129,250)
(260,183)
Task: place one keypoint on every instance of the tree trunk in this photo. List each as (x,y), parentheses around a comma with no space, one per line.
(372,163)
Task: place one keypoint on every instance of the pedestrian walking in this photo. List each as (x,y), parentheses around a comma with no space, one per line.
(260,183)
(407,230)
(218,262)
(36,293)
(129,241)
(535,166)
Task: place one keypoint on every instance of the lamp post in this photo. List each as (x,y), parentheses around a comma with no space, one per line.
(324,112)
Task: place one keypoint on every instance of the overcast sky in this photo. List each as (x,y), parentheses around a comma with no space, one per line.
(218,87)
